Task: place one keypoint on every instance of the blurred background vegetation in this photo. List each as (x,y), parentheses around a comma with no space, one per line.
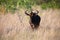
(15,4)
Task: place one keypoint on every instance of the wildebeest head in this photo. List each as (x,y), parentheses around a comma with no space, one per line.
(33,12)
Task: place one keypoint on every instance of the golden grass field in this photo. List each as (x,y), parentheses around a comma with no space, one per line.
(16,26)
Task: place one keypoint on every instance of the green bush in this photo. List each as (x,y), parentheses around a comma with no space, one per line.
(14,4)
(51,4)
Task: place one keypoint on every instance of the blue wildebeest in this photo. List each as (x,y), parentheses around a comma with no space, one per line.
(34,19)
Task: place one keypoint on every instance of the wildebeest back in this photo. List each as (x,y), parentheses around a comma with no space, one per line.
(35,19)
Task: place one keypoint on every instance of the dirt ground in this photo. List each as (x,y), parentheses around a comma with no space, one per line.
(16,26)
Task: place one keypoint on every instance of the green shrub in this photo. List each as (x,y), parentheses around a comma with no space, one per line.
(14,4)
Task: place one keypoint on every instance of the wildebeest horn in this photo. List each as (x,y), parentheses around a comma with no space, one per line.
(26,11)
(37,11)
(31,10)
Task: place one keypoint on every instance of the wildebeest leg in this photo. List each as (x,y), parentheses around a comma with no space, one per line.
(36,26)
(32,26)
